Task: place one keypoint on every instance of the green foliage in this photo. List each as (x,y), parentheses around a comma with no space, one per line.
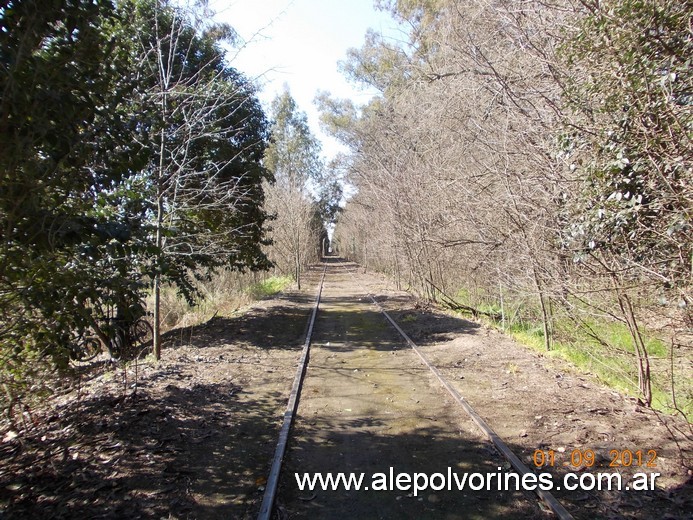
(338,116)
(294,153)
(69,235)
(80,118)
(270,286)
(459,182)
(302,188)
(376,64)
(329,196)
(205,133)
(629,71)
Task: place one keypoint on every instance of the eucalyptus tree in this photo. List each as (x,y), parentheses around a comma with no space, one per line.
(293,156)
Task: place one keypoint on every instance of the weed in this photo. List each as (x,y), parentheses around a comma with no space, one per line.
(270,286)
(611,358)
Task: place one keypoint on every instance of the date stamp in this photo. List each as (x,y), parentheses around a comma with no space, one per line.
(590,458)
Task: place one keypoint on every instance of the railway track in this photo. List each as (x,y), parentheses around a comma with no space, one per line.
(375,370)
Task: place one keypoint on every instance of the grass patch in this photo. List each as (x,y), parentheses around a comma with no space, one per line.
(614,364)
(269,287)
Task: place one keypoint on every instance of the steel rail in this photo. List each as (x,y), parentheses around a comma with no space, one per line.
(291,407)
(551,501)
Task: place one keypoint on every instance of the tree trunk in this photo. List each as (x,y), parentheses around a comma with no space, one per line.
(156,340)
(642,357)
(502,306)
(544,310)
(297,268)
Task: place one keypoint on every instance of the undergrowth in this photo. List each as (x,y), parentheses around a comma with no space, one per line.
(223,295)
(611,358)
(270,286)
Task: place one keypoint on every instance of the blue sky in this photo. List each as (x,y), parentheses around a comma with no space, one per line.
(299,43)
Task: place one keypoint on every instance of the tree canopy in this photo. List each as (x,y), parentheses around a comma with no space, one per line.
(293,156)
(530,160)
(111,111)
(524,160)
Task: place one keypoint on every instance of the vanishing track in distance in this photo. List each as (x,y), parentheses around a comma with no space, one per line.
(351,311)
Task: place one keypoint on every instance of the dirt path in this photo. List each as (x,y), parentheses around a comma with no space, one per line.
(195,437)
(368,405)
(538,403)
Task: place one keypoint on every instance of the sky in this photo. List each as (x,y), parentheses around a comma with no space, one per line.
(299,43)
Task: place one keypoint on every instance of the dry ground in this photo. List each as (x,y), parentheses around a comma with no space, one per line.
(192,436)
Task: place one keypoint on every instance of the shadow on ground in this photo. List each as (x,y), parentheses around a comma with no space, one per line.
(194,452)
(202,452)
(350,446)
(280,325)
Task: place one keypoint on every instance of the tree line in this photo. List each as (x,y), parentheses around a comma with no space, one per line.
(531,162)
(133,156)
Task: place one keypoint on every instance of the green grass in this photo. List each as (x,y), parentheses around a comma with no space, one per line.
(270,286)
(614,366)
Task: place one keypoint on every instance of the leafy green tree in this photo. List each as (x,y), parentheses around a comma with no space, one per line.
(377,64)
(293,156)
(629,76)
(294,153)
(90,152)
(69,227)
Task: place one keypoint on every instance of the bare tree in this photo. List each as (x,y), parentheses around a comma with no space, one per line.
(293,157)
(478,170)
(208,134)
